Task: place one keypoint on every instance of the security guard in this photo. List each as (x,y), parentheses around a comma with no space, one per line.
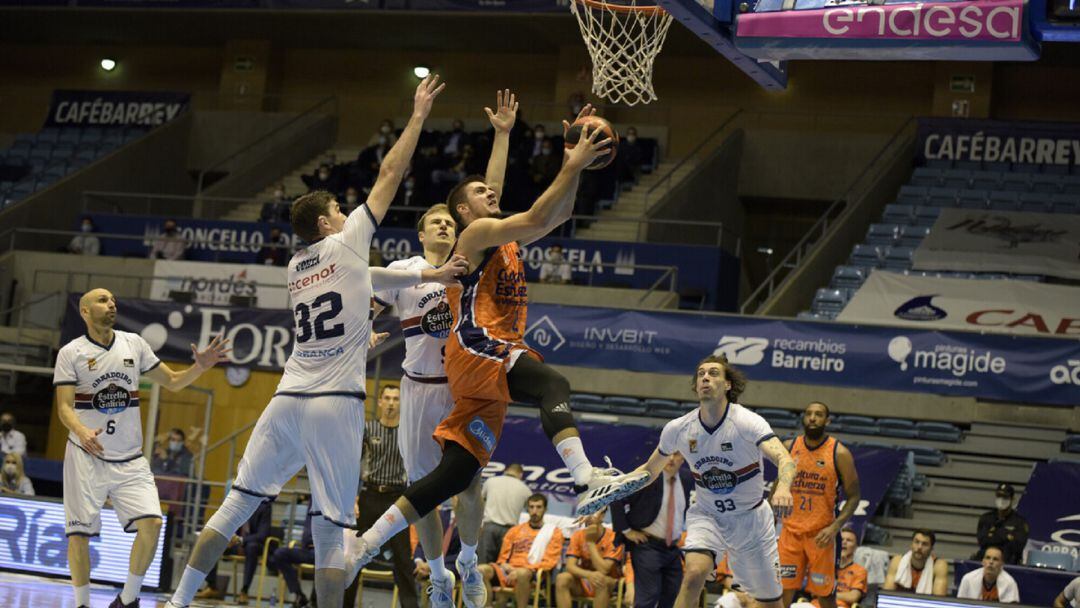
(1003,526)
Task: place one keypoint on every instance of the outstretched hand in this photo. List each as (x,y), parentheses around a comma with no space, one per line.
(426,92)
(448,274)
(588,110)
(506,111)
(375,339)
(587,149)
(215,352)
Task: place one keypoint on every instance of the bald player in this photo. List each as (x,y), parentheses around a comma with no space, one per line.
(97,396)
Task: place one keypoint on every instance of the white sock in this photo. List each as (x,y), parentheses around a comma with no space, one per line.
(573,456)
(391,522)
(131,588)
(82,595)
(190,582)
(438,568)
(467,553)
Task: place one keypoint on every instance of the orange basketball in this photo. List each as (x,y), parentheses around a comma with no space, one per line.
(609,132)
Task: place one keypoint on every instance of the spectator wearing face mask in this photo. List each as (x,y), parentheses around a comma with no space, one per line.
(277,209)
(276,251)
(85,243)
(1003,527)
(12,478)
(453,144)
(352,200)
(323,179)
(172,457)
(11,440)
(544,167)
(170,245)
(631,154)
(386,131)
(535,146)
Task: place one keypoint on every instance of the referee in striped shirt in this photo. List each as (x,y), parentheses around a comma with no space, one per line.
(383,479)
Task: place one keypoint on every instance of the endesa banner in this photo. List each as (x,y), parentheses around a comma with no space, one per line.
(32,540)
(1040,143)
(1002,241)
(1005,368)
(114,108)
(212,240)
(215,283)
(1015,307)
(1051,505)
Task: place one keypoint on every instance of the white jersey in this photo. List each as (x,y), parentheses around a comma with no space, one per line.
(330,293)
(425,320)
(106,380)
(725,460)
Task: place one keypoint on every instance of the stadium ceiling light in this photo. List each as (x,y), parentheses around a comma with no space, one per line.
(421,71)
(108,64)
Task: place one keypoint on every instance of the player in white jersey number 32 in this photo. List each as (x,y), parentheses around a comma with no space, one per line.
(723,442)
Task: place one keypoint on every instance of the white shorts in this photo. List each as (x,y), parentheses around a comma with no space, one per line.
(749,539)
(423,407)
(325,434)
(89,481)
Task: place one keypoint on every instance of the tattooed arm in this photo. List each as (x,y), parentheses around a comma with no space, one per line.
(781,501)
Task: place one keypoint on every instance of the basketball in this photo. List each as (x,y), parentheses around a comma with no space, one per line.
(609,132)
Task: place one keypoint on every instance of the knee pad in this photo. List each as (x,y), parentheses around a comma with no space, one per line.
(233,513)
(453,475)
(329,543)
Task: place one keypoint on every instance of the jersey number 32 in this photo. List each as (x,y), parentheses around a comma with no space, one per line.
(325,308)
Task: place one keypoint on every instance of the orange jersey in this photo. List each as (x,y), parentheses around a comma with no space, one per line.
(518,542)
(851,578)
(815,487)
(489,309)
(605,546)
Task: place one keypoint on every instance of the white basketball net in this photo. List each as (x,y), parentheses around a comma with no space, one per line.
(623,41)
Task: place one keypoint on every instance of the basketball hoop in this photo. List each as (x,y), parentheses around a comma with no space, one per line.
(623,37)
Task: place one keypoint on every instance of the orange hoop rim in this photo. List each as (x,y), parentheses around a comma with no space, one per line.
(619,8)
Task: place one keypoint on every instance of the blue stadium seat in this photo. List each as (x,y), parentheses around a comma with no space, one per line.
(70,136)
(1000,199)
(91,135)
(778,418)
(939,163)
(63,150)
(898,258)
(832,300)
(1065,203)
(54,172)
(1056,169)
(809,315)
(581,402)
(925,456)
(938,431)
(867,255)
(912,236)
(47,136)
(942,197)
(86,153)
(899,214)
(896,427)
(913,195)
(113,136)
(663,408)
(1028,168)
(1035,202)
(985,180)
(968,164)
(956,179)
(42,152)
(973,199)
(1046,183)
(926,216)
(925,176)
(22,189)
(850,277)
(1071,444)
(631,406)
(1049,559)
(882,234)
(1016,182)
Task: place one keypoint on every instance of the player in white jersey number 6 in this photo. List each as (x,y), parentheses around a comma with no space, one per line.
(316,417)
(97,396)
(723,443)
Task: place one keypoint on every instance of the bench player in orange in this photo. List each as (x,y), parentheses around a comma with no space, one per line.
(808,538)
(488,364)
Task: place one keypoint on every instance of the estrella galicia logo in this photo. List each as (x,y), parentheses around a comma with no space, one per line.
(480,430)
(742,351)
(545,334)
(437,321)
(719,481)
(920,308)
(112,399)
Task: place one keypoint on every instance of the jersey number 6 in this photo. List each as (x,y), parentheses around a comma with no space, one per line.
(306,328)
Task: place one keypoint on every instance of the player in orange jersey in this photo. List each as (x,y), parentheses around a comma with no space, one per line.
(808,538)
(487,362)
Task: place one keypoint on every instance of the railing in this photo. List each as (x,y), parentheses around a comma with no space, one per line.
(201,182)
(653,193)
(815,235)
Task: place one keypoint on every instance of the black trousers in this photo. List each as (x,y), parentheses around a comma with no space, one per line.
(252,552)
(491,537)
(372,505)
(658,573)
(285,560)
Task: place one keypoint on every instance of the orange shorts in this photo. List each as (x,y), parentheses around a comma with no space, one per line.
(800,558)
(504,578)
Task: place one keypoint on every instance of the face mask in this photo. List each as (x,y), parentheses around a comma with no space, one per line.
(87,227)
(1002,503)
(279,194)
(351,199)
(631,138)
(545,151)
(324,175)
(382,140)
(174,446)
(385,129)
(10,469)
(5,427)
(409,185)
(539,134)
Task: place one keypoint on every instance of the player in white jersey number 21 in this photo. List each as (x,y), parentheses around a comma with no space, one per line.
(723,443)
(316,417)
(97,396)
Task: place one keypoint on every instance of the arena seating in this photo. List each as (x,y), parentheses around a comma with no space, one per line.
(891,243)
(36,160)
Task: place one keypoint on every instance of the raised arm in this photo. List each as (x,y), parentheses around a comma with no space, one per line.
(849,476)
(551,205)
(774,450)
(502,120)
(214,353)
(396,161)
(65,409)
